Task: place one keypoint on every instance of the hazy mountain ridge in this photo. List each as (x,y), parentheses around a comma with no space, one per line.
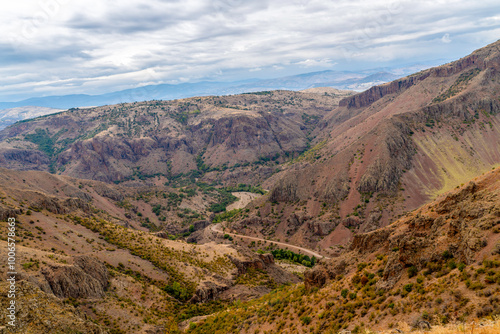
(338,79)
(13,115)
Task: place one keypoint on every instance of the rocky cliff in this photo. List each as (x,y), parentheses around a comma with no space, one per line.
(87,278)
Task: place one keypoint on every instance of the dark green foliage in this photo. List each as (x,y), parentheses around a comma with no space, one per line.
(44,141)
(412,271)
(408,287)
(224,198)
(285,254)
(177,291)
(157,209)
(447,255)
(226,215)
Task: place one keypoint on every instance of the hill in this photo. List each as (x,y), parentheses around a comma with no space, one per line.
(83,257)
(385,152)
(437,265)
(229,139)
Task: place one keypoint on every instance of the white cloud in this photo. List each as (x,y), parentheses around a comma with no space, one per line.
(62,46)
(316,63)
(446,38)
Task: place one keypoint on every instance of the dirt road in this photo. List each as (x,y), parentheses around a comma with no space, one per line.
(216,228)
(243,199)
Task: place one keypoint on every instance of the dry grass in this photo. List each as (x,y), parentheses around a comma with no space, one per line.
(476,327)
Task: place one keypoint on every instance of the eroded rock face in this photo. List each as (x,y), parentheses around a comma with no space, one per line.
(173,228)
(321,228)
(455,226)
(87,278)
(324,271)
(207,290)
(40,312)
(377,92)
(6,213)
(210,289)
(267,258)
(24,159)
(246,264)
(392,273)
(57,206)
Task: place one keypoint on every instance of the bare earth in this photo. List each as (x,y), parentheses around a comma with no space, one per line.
(244,199)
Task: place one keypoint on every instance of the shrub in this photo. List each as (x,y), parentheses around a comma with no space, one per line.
(447,255)
(408,287)
(362,266)
(412,271)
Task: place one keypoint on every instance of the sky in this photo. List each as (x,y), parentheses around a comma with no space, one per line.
(56,47)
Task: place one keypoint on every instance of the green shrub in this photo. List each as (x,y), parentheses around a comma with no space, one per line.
(408,287)
(412,271)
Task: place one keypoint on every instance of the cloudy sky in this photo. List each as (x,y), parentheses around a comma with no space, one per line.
(50,47)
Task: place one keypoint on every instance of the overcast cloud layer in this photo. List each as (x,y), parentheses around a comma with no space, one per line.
(52,47)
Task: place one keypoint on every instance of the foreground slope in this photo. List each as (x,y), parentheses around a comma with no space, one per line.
(437,265)
(85,259)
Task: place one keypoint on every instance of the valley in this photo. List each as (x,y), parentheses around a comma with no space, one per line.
(313,211)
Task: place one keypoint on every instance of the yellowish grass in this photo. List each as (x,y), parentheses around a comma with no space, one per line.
(477,327)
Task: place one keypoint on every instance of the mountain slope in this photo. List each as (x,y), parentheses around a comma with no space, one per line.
(389,150)
(202,135)
(437,265)
(335,165)
(85,252)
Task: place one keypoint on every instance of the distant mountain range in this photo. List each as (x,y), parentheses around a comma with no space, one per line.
(359,81)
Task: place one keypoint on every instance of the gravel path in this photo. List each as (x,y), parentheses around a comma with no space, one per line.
(216,228)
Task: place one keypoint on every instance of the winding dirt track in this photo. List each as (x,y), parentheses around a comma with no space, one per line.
(216,228)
